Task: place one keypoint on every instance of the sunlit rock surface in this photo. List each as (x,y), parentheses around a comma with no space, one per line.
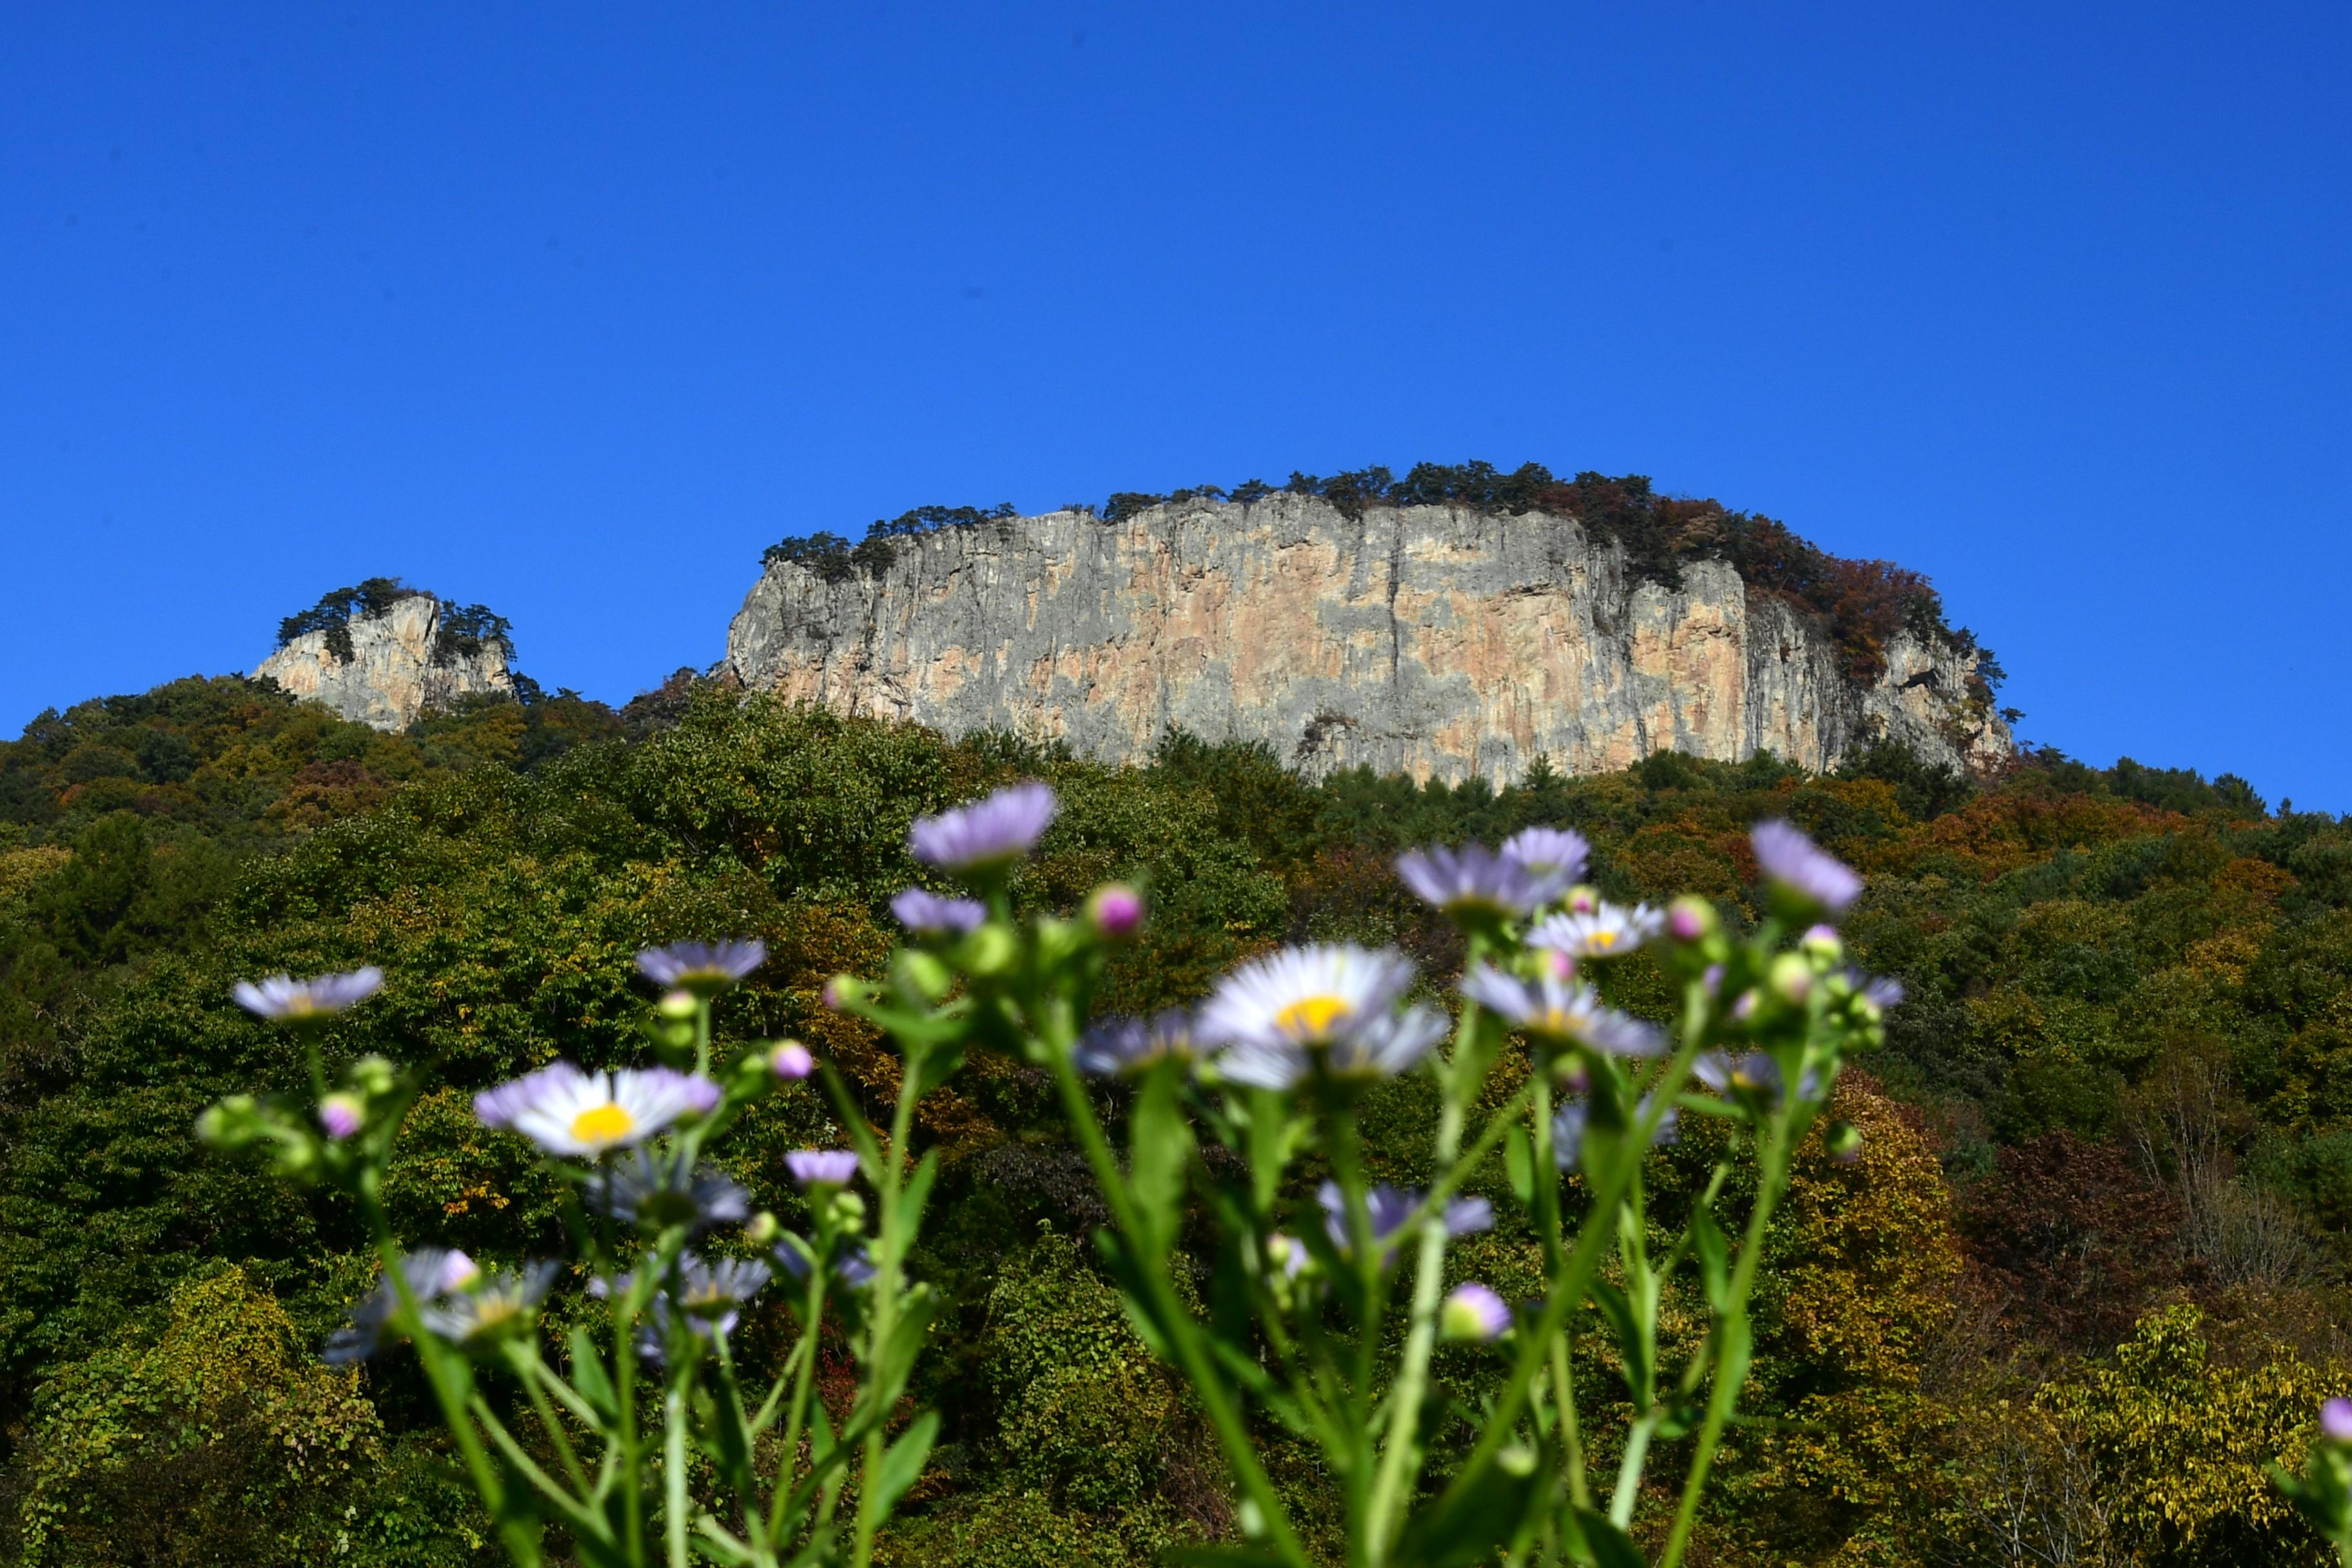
(1435,641)
(392,675)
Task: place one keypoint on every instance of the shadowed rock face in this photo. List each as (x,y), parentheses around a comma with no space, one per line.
(391,676)
(1434,641)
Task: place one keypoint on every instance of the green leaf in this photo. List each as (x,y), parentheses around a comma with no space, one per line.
(1631,1343)
(917,1193)
(1714,1260)
(588,1375)
(1468,1522)
(1520,1164)
(1160,1149)
(1610,1546)
(902,1462)
(1739,1346)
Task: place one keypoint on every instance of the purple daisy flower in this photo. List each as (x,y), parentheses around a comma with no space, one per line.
(656,1190)
(284,999)
(1473,1311)
(1568,1122)
(1474,879)
(822,1167)
(1880,991)
(1117,1046)
(988,833)
(431,1272)
(853,1267)
(1556,1012)
(489,1306)
(1788,858)
(1388,1208)
(1559,851)
(2335,1420)
(926,913)
(702,967)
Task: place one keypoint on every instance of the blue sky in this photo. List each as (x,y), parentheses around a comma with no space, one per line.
(572,309)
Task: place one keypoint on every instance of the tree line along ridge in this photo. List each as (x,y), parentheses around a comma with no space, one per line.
(1862,605)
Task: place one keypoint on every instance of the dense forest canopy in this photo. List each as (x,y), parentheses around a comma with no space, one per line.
(1862,603)
(2084,1279)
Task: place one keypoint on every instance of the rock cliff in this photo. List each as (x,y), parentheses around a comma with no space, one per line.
(1433,640)
(399,664)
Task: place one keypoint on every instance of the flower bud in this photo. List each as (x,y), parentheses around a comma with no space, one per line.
(1569,1072)
(1790,977)
(341,1115)
(925,973)
(1821,943)
(1116,912)
(1558,962)
(2335,1420)
(1691,919)
(231,1125)
(371,1075)
(763,1228)
(679,1006)
(843,992)
(1583,900)
(990,950)
(790,1060)
(1844,1141)
(1474,1312)
(848,1210)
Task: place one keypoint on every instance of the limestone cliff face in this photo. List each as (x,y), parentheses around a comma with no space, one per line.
(393,674)
(1435,641)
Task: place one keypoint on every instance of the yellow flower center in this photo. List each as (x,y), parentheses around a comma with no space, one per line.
(603,1124)
(491,1312)
(1311,1017)
(1555,1021)
(1602,938)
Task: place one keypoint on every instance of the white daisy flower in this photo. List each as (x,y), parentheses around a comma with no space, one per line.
(1383,1046)
(1561,1013)
(567,1112)
(1608,930)
(1308,995)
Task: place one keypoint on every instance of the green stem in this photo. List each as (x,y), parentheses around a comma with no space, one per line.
(882,1318)
(1546,1174)
(674,1467)
(796,1414)
(1401,1441)
(1568,1286)
(1199,1368)
(1772,1161)
(451,1386)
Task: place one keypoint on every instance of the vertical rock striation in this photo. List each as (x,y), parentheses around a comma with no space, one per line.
(1438,641)
(400,666)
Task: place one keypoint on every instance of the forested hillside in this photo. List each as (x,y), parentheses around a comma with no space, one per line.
(2081,1285)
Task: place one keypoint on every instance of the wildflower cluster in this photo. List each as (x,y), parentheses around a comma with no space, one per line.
(667,1254)
(1332,1291)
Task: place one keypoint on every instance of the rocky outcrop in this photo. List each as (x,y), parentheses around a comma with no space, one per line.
(1438,641)
(400,664)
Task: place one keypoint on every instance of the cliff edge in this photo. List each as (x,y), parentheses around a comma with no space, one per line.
(381,654)
(1443,641)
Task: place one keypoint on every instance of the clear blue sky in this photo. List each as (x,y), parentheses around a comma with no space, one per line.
(573,308)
